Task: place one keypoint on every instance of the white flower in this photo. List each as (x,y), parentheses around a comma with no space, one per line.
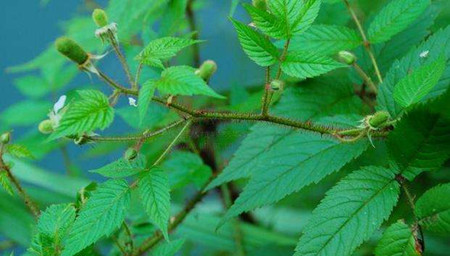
(132,102)
(56,114)
(59,104)
(424,54)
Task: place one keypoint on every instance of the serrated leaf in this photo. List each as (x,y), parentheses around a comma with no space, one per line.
(163,49)
(5,182)
(256,46)
(349,214)
(268,23)
(432,49)
(420,142)
(433,209)
(122,168)
(145,95)
(92,111)
(398,239)
(419,83)
(306,158)
(181,80)
(53,227)
(311,101)
(19,151)
(154,192)
(168,248)
(295,15)
(326,39)
(103,213)
(306,64)
(395,17)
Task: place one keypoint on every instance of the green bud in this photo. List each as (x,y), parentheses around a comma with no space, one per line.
(100,18)
(276,85)
(260,4)
(130,154)
(379,119)
(71,50)
(346,57)
(46,126)
(206,70)
(5,138)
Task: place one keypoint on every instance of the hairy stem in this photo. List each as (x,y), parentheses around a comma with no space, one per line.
(366,42)
(121,58)
(365,77)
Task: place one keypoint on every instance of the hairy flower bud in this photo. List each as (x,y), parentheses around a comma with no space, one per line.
(379,119)
(5,138)
(100,18)
(276,85)
(206,70)
(130,154)
(346,57)
(71,50)
(260,4)
(46,126)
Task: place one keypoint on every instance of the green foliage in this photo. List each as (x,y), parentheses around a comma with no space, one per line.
(122,168)
(18,151)
(306,65)
(433,209)
(168,248)
(145,95)
(256,46)
(4,181)
(419,83)
(350,212)
(86,114)
(103,213)
(163,49)
(395,17)
(398,239)
(155,194)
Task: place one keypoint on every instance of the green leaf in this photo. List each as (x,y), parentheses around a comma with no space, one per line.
(308,64)
(163,49)
(307,158)
(92,111)
(398,239)
(433,48)
(18,151)
(122,168)
(53,227)
(186,168)
(395,17)
(311,101)
(420,142)
(168,248)
(419,83)
(25,113)
(326,40)
(256,46)
(182,80)
(5,182)
(295,15)
(268,23)
(433,209)
(145,95)
(154,192)
(350,213)
(103,213)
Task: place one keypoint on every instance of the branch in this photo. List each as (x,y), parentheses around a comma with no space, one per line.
(366,41)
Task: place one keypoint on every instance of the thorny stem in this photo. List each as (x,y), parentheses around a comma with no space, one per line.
(34,209)
(365,77)
(177,220)
(115,85)
(121,58)
(366,42)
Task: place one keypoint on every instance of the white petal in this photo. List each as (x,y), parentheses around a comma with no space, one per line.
(424,54)
(59,104)
(132,102)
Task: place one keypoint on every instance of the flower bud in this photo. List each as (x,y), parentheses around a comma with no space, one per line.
(46,126)
(100,18)
(379,119)
(276,85)
(206,70)
(5,138)
(260,4)
(130,154)
(346,57)
(71,50)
